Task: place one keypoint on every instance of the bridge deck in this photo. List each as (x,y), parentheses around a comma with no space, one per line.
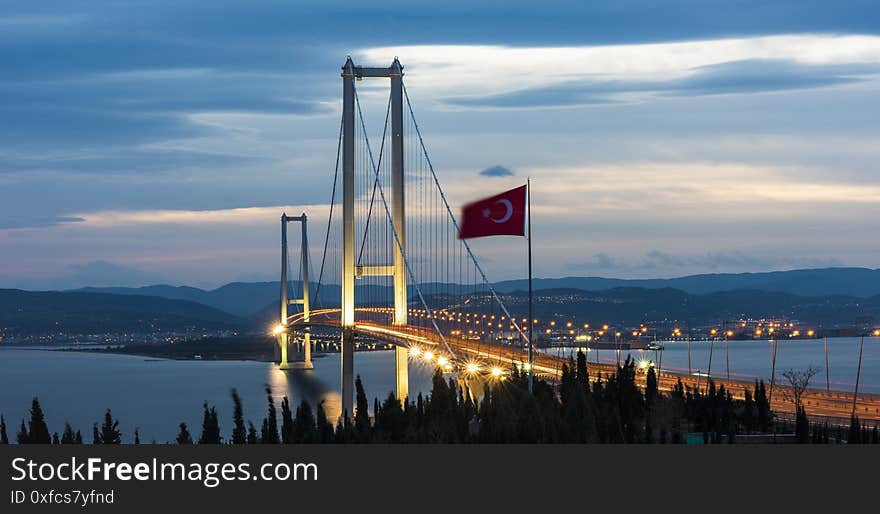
(833,405)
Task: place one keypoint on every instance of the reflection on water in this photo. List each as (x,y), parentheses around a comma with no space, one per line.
(156,395)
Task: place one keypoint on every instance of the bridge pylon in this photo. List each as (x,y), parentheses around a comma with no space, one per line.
(350,269)
(304,357)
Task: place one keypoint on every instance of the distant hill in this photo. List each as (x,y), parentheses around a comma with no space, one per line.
(858,282)
(635,305)
(27,312)
(258,301)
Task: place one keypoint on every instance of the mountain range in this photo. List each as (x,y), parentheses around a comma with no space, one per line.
(29,312)
(834,296)
(248,299)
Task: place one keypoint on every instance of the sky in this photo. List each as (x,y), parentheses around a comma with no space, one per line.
(159,141)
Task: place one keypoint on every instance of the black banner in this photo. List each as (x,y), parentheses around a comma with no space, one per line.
(407,478)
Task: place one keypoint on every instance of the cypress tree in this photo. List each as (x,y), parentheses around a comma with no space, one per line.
(269,432)
(22,436)
(802,426)
(110,430)
(55,439)
(184,437)
(252,434)
(361,413)
(137,436)
(4,439)
(68,437)
(762,405)
(324,427)
(96,436)
(38,431)
(210,426)
(855,431)
(304,430)
(286,422)
(239,434)
(79,438)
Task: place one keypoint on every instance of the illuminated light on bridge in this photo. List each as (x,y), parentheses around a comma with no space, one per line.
(497,372)
(877,332)
(472,367)
(415,351)
(278,329)
(442,361)
(428,356)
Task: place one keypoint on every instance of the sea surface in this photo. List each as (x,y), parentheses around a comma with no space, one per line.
(156,395)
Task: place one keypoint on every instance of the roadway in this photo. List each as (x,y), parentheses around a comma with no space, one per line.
(834,405)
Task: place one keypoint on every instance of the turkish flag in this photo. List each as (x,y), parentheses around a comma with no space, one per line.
(499,215)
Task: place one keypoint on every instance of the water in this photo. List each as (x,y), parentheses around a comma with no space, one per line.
(752,359)
(156,395)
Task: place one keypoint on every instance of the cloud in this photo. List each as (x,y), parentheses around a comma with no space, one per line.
(601,262)
(496,171)
(14,223)
(736,77)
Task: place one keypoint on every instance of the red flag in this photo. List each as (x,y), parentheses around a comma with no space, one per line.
(499,215)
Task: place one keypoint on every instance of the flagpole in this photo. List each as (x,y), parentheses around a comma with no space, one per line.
(531,321)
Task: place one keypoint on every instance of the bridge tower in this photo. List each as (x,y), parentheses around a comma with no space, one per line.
(397,269)
(306,353)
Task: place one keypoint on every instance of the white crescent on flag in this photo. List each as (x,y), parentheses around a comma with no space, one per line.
(507,214)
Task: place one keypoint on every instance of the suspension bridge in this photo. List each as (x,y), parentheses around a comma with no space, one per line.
(404,276)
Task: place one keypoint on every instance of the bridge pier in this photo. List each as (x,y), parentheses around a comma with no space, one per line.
(401,371)
(346,353)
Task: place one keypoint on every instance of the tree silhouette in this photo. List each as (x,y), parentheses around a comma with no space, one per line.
(269,431)
(68,436)
(210,426)
(38,431)
(183,436)
(239,434)
(110,433)
(4,439)
(798,382)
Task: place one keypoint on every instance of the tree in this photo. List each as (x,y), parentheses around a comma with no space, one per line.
(210,426)
(802,426)
(303,427)
(4,439)
(68,436)
(286,422)
(239,434)
(269,432)
(22,436)
(183,436)
(762,406)
(38,432)
(252,434)
(137,436)
(361,413)
(55,439)
(324,427)
(110,433)
(798,382)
